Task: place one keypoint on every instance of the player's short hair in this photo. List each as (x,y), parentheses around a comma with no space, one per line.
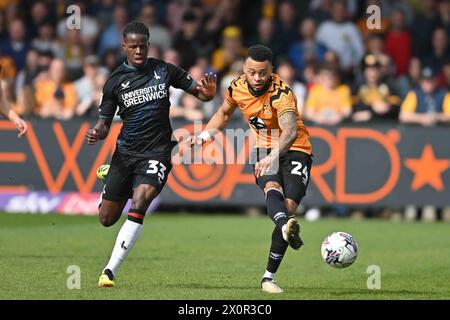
(135,27)
(260,53)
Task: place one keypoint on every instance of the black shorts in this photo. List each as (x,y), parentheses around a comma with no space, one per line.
(127,172)
(294,172)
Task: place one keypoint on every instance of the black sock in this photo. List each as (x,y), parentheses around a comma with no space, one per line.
(276,209)
(277,250)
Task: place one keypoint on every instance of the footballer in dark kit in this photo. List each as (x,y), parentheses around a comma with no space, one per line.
(139,88)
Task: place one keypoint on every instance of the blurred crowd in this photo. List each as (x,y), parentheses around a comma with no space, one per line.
(343,65)
(339,66)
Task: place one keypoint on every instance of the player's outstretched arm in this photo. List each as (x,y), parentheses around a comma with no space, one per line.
(217,123)
(206,89)
(8,113)
(99,132)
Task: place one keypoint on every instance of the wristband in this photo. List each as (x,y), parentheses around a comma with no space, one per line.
(205,136)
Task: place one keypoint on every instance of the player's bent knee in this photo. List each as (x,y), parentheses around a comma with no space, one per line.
(109,218)
(110,212)
(106,221)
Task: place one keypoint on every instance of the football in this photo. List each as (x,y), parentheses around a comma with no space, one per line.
(102,171)
(339,250)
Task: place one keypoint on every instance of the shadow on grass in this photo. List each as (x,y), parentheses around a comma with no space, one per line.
(58,256)
(330,293)
(207,286)
(365,292)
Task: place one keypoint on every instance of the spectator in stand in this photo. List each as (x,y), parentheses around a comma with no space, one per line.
(55,97)
(103,11)
(286,71)
(74,53)
(154,52)
(111,37)
(268,9)
(329,102)
(172,56)
(446,74)
(374,45)
(444,15)
(39,14)
(231,50)
(423,25)
(320,10)
(309,75)
(331,60)
(17,46)
(234,72)
(227,13)
(426,105)
(188,40)
(398,42)
(190,107)
(21,104)
(286,24)
(46,40)
(307,48)
(9,14)
(342,36)
(387,70)
(267,36)
(159,35)
(387,7)
(408,81)
(89,87)
(43,62)
(440,50)
(174,15)
(374,98)
(27,75)
(111,59)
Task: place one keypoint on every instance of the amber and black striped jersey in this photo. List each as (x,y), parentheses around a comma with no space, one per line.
(262,112)
(142,95)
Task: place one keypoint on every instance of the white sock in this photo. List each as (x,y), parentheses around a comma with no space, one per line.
(99,203)
(127,237)
(283,232)
(270,275)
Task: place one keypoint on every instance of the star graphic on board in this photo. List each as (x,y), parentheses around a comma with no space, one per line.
(427,169)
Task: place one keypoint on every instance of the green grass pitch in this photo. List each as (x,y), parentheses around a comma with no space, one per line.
(219,257)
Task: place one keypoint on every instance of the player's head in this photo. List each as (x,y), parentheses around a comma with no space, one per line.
(135,42)
(258,67)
